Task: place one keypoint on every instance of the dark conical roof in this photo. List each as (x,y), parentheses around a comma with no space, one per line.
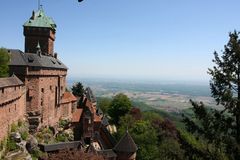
(126,144)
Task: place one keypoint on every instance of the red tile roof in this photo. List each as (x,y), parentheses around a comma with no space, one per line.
(68,97)
(77,115)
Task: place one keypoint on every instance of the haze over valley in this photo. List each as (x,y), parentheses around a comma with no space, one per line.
(168,96)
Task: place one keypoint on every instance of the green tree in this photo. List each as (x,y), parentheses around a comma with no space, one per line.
(4,61)
(104,104)
(77,89)
(119,107)
(143,135)
(221,128)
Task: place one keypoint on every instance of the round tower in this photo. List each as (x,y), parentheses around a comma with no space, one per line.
(39,29)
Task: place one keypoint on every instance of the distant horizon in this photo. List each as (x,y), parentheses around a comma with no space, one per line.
(136,80)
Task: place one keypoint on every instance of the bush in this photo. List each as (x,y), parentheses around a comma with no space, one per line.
(63,123)
(24,135)
(1,145)
(20,123)
(14,127)
(36,154)
(11,145)
(61,138)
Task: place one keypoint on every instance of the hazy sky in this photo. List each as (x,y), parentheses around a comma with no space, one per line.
(145,39)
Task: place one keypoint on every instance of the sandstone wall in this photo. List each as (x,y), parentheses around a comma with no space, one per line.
(12,107)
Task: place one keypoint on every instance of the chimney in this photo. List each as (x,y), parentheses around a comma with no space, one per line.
(55,55)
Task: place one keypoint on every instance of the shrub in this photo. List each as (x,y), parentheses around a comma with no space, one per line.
(24,135)
(14,127)
(11,145)
(20,123)
(63,123)
(61,138)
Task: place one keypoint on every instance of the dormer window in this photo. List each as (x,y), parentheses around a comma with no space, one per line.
(30,59)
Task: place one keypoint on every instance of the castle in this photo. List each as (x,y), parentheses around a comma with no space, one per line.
(36,92)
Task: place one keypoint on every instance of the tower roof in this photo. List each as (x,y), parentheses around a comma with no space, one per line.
(39,19)
(126,144)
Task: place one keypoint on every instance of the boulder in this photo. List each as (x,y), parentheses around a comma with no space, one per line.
(16,136)
(31,144)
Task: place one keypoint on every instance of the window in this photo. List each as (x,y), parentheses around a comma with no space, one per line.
(3,90)
(41,101)
(50,87)
(42,90)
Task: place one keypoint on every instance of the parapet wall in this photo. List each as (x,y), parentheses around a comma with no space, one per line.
(12,107)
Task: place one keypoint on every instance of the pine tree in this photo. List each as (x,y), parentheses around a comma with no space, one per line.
(221,127)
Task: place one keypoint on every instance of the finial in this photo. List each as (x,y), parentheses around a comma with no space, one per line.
(39,52)
(38,46)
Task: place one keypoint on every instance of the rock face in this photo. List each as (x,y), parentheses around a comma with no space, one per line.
(31,144)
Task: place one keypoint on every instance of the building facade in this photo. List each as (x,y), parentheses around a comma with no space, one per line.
(43,74)
(12,103)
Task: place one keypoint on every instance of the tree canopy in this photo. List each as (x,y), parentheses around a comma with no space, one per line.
(104,104)
(119,106)
(77,89)
(221,128)
(4,61)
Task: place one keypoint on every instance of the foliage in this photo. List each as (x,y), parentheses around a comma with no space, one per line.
(119,107)
(45,135)
(170,149)
(63,123)
(77,89)
(37,153)
(221,128)
(156,138)
(4,61)
(14,127)
(2,145)
(11,145)
(24,135)
(104,104)
(139,130)
(62,137)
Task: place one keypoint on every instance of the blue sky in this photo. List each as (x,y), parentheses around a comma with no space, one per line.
(130,39)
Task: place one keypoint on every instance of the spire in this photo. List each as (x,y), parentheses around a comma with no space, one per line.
(39,52)
(38,46)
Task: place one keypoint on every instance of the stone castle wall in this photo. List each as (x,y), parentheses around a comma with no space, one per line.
(44,93)
(12,107)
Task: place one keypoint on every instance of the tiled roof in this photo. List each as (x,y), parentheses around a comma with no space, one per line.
(18,58)
(68,97)
(77,115)
(126,144)
(108,153)
(60,146)
(39,19)
(10,81)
